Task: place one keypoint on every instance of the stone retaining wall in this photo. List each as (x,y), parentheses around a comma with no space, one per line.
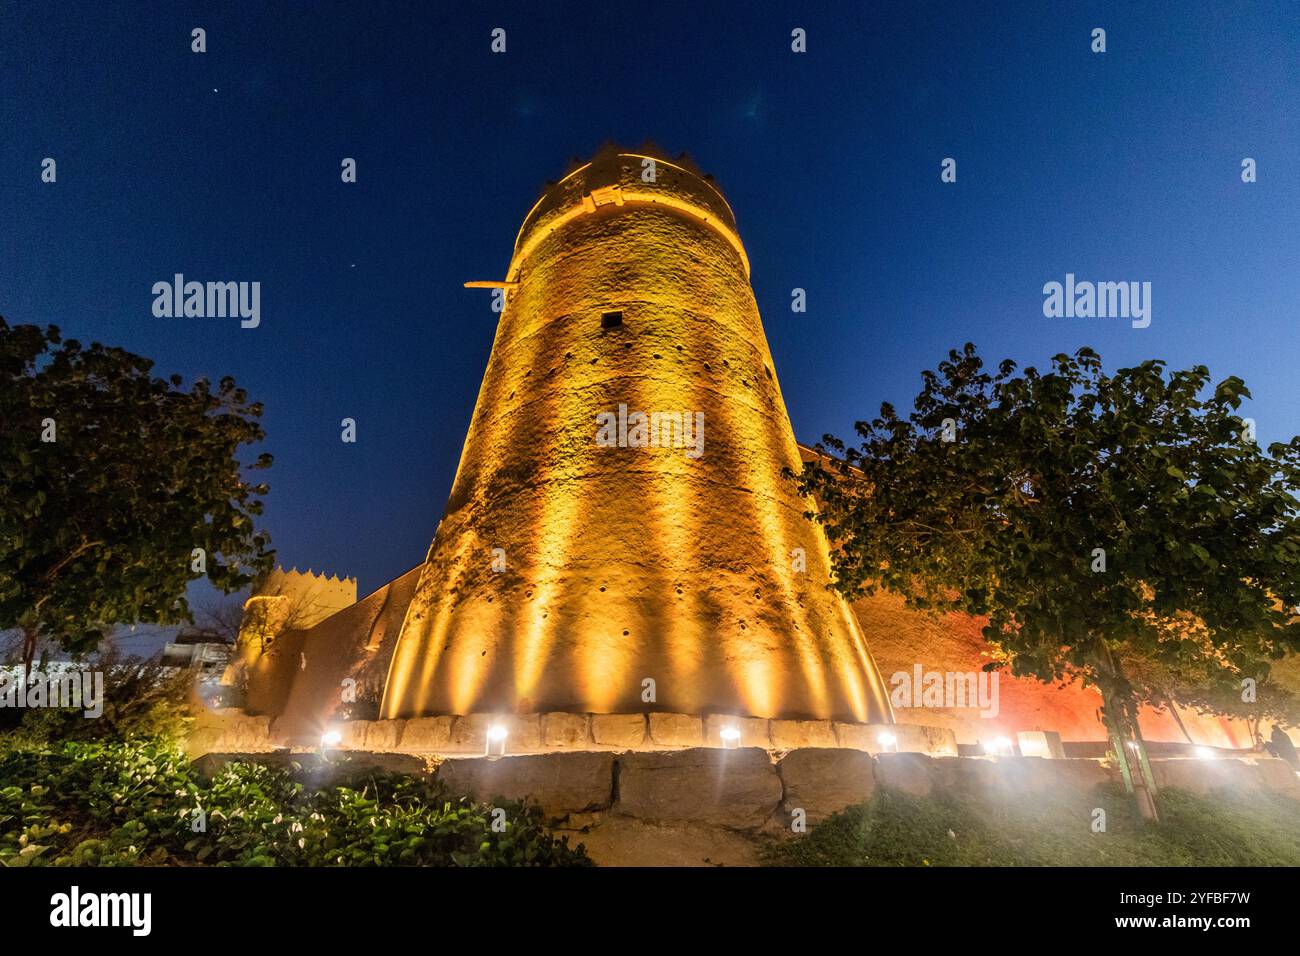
(233,731)
(229,731)
(749,789)
(621,771)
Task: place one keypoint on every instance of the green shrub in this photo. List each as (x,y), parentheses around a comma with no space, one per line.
(140,700)
(137,803)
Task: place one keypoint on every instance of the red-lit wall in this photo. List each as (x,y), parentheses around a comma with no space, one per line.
(900,639)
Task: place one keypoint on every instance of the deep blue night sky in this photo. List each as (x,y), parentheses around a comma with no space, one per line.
(225,166)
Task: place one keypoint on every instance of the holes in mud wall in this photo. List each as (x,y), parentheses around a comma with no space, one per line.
(611,320)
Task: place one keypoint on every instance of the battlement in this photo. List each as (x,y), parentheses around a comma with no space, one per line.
(311,597)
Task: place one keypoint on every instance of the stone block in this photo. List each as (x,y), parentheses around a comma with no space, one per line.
(822,781)
(924,739)
(799,734)
(908,738)
(619,731)
(383,736)
(738,789)
(354,733)
(865,737)
(1011,777)
(560,782)
(523,733)
(1278,776)
(1025,774)
(281,737)
(1206,776)
(1080,774)
(978,776)
(906,772)
(562,731)
(427,735)
(676,730)
(229,730)
(1041,743)
(753,731)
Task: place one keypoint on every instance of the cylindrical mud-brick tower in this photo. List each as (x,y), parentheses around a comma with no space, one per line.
(580,555)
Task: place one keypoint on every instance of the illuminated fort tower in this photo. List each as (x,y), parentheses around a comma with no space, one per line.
(622,564)
(629,286)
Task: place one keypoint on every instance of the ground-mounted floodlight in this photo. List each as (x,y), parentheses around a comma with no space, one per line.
(496,741)
(331,738)
(730,738)
(998,746)
(1204,753)
(888,741)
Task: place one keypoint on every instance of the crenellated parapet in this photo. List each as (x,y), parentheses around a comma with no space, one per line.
(291,600)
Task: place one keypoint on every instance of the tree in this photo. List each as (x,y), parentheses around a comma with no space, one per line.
(120,489)
(1270,696)
(221,620)
(1092,518)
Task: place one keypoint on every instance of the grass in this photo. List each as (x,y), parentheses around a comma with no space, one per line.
(951,829)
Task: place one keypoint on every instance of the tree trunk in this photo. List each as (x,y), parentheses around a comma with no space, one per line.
(1173,709)
(1256,739)
(1148,777)
(1119,714)
(1117,744)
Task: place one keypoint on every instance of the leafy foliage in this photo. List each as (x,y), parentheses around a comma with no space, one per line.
(1200,526)
(135,803)
(140,700)
(98,526)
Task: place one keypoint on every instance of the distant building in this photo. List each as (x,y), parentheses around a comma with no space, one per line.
(207,655)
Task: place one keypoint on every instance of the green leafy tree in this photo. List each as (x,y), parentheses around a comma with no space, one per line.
(1224,692)
(120,489)
(1091,518)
